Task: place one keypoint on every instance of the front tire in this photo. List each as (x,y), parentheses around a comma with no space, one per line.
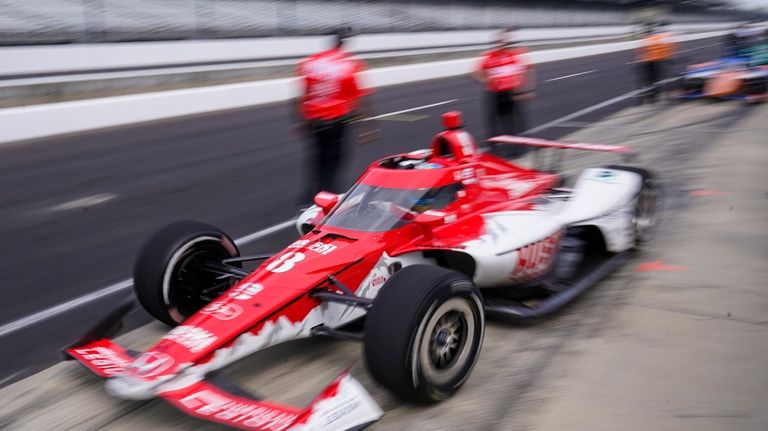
(424,333)
(168,276)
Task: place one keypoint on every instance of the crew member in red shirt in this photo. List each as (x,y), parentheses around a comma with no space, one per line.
(508,80)
(331,98)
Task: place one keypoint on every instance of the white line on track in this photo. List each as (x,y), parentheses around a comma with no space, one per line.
(593,108)
(87,201)
(573,75)
(32,319)
(445,102)
(120,286)
(264,232)
(700,47)
(584,111)
(9,378)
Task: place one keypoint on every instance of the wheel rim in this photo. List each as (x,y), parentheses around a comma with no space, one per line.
(188,287)
(645,211)
(447,341)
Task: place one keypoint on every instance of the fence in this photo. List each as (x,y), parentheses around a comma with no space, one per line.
(89,21)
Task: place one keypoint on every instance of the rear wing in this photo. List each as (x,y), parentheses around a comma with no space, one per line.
(556,157)
(543,143)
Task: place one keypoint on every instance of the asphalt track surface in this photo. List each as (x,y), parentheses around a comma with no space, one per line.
(76,208)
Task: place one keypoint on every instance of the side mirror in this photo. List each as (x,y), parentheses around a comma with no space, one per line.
(326,200)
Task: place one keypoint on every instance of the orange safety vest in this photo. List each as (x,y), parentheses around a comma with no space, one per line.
(656,47)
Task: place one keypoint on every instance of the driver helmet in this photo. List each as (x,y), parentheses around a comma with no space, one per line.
(430,165)
(422,204)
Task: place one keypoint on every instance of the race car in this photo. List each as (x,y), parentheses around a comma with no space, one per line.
(732,78)
(409,261)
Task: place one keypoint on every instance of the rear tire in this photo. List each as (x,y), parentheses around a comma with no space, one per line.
(645,219)
(424,333)
(168,275)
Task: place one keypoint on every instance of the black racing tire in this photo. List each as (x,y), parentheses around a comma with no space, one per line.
(424,332)
(168,277)
(647,206)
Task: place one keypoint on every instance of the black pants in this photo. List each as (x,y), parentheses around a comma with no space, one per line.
(652,72)
(326,155)
(505,117)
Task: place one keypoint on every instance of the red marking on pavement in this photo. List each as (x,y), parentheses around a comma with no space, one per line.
(658,265)
(709,192)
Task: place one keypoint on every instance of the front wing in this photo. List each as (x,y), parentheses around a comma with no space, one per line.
(342,405)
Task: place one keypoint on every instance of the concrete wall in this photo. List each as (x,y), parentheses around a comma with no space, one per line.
(19,60)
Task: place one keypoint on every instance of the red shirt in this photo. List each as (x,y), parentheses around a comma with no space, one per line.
(330,86)
(504,69)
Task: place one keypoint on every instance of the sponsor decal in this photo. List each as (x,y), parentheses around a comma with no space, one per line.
(191,337)
(506,70)
(375,279)
(378,280)
(318,247)
(605,176)
(105,359)
(298,244)
(467,144)
(151,364)
(342,411)
(535,259)
(343,405)
(322,248)
(210,404)
(285,262)
(463,174)
(222,310)
(246,291)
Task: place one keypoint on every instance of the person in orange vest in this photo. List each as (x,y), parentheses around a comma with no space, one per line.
(654,52)
(332,97)
(508,79)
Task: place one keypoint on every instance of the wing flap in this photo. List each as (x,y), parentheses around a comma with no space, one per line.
(543,143)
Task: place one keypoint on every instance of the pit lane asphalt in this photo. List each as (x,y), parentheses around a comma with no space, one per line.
(240,170)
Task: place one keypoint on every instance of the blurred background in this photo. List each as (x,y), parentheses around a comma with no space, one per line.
(120,116)
(93,21)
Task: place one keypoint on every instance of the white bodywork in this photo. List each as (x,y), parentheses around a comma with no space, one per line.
(603,198)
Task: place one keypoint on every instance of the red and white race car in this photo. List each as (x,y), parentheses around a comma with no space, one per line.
(408,261)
